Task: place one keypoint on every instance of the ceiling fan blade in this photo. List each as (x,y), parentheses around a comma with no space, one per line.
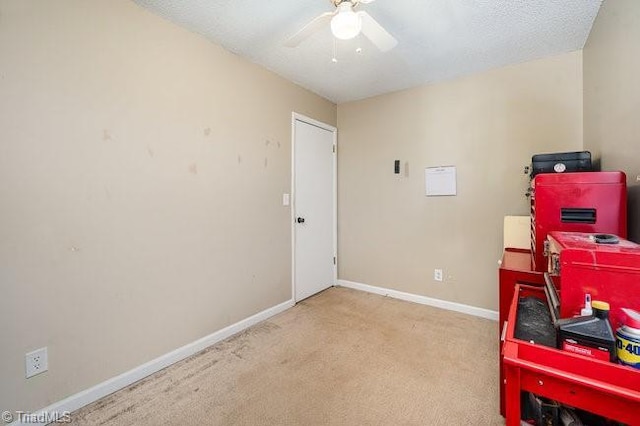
(315,25)
(374,32)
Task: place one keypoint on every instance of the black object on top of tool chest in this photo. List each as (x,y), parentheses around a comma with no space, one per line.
(534,323)
(561,162)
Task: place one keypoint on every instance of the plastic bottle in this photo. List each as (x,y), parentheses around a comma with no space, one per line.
(591,336)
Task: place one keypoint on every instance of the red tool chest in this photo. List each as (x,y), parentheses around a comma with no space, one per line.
(600,387)
(577,202)
(608,272)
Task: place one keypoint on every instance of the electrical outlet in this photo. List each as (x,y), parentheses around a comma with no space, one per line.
(437,274)
(36,362)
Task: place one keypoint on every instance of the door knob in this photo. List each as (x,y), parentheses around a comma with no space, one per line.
(301,220)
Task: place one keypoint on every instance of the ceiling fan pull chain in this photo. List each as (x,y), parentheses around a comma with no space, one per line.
(334,59)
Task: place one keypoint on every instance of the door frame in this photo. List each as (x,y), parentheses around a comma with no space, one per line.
(308,120)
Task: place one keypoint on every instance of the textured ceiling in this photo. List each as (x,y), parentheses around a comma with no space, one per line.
(437,39)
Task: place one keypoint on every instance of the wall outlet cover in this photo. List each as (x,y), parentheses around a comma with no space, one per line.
(36,362)
(437,274)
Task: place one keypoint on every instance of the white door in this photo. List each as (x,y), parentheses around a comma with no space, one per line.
(314,208)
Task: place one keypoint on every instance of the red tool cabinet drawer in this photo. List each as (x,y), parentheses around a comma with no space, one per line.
(600,387)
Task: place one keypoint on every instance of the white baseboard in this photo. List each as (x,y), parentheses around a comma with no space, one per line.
(107,387)
(423,300)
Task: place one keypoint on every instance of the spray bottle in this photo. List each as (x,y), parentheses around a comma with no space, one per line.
(628,339)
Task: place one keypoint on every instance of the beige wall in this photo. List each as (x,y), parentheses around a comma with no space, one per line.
(612,96)
(488,125)
(141,178)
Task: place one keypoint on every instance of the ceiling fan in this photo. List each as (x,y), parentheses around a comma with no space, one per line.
(347,24)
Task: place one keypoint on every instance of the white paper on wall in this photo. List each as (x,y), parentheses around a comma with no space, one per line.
(440,181)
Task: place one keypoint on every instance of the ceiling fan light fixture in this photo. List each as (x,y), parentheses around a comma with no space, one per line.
(346,24)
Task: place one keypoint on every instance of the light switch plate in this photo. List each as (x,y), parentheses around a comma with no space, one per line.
(285,199)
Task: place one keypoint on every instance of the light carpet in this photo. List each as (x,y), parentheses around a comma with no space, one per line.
(342,357)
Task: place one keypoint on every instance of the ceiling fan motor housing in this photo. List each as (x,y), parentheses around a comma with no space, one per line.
(337,3)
